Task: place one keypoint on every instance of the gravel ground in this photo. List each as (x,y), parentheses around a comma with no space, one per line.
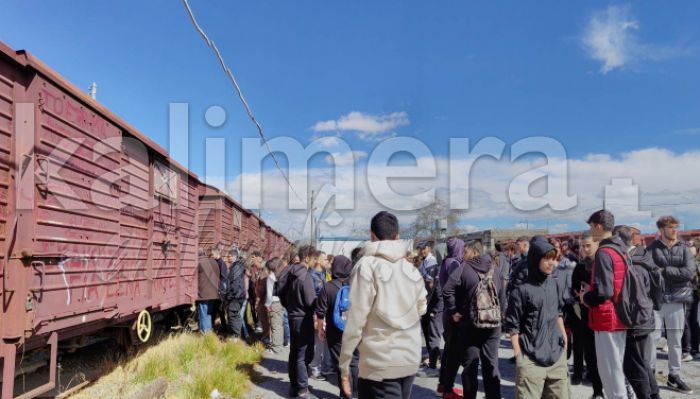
(271,381)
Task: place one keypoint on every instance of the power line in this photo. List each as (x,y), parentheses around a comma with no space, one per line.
(249,111)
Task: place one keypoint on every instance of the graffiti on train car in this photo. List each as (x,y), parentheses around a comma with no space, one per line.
(106,272)
(56,102)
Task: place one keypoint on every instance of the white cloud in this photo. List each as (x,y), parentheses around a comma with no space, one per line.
(368,127)
(611,38)
(345,158)
(327,141)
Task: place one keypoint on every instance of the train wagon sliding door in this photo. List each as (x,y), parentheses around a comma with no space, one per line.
(188,220)
(165,238)
(135,218)
(7,88)
(76,199)
(209,214)
(226,224)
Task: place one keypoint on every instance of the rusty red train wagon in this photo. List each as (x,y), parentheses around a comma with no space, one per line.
(220,219)
(98,226)
(225,223)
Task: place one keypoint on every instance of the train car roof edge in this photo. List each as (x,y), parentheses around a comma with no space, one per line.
(26,59)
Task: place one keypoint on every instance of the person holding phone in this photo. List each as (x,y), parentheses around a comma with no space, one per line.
(584,336)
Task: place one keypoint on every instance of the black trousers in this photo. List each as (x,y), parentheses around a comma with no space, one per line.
(432,331)
(235,320)
(301,352)
(694,320)
(335,340)
(578,345)
(449,362)
(399,388)
(480,345)
(636,366)
(690,342)
(588,339)
(221,313)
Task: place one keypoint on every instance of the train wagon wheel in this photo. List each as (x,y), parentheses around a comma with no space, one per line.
(144,326)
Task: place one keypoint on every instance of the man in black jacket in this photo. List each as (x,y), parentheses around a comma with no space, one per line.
(221,303)
(235,294)
(328,331)
(636,361)
(475,343)
(534,321)
(678,269)
(586,338)
(298,294)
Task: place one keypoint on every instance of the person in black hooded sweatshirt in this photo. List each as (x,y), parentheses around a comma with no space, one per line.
(325,304)
(535,324)
(298,295)
(474,343)
(639,341)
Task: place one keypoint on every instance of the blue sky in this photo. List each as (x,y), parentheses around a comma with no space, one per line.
(426,69)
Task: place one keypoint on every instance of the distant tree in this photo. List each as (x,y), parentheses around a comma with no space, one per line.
(423,227)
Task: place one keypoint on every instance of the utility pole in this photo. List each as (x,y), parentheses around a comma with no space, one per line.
(527,223)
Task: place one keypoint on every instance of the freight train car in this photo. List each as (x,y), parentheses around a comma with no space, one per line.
(220,219)
(225,223)
(98,226)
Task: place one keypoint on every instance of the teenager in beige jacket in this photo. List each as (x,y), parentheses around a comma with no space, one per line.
(387,299)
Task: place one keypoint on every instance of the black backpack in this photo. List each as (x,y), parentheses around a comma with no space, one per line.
(634,306)
(235,282)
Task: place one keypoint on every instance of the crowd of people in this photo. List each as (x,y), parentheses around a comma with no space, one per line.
(601,302)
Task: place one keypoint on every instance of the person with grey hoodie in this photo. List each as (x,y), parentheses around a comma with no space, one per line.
(387,300)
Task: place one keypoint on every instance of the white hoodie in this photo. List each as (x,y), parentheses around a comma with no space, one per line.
(387,299)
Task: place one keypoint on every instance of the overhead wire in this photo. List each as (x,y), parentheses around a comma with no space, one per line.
(210,43)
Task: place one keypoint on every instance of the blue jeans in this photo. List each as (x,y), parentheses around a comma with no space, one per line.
(285,323)
(205,314)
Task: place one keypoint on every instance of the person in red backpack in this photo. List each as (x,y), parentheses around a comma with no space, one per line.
(606,283)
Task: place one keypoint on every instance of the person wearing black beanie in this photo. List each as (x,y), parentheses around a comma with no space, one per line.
(534,322)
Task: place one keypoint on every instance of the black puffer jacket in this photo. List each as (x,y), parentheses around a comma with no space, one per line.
(677,268)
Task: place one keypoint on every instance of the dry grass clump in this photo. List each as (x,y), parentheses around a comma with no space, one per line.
(190,366)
